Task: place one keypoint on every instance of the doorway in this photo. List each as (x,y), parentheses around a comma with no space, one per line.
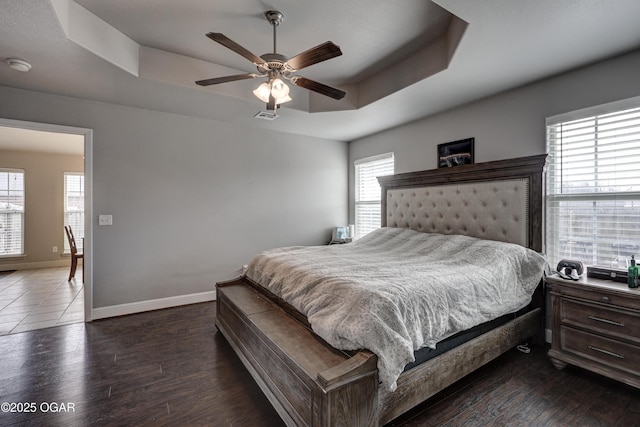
(77,292)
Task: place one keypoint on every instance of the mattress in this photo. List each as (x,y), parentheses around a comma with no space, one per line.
(396,291)
(428,353)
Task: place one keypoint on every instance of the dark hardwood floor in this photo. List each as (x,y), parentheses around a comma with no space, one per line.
(172,367)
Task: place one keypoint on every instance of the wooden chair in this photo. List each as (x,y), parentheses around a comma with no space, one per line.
(74,253)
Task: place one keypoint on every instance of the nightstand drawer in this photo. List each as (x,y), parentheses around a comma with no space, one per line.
(604,296)
(611,321)
(603,350)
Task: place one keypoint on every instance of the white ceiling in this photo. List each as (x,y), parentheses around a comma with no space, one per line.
(17,139)
(180,27)
(506,43)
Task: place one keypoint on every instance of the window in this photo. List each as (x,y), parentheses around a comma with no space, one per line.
(367,191)
(74,207)
(593,185)
(11,212)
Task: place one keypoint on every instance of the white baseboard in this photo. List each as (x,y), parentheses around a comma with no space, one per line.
(155,304)
(548,335)
(36,265)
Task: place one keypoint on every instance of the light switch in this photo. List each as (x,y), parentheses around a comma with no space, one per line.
(105,220)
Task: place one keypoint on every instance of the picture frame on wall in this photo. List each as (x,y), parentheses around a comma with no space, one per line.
(455,153)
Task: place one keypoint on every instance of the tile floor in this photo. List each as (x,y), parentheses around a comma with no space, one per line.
(36,299)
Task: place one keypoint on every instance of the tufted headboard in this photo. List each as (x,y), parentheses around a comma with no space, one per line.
(499,200)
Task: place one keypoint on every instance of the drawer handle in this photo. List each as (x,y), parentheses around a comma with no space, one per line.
(619,356)
(606,299)
(607,321)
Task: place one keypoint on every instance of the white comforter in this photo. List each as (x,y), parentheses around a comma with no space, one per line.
(395,290)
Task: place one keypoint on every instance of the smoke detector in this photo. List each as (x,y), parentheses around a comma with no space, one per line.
(18,65)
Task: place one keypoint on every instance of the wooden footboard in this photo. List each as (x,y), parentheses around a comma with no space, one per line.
(307,381)
(311,383)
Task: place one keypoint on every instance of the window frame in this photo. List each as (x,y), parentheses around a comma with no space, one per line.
(556,194)
(21,252)
(78,231)
(370,202)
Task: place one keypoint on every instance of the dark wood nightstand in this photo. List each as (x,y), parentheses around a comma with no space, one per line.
(596,325)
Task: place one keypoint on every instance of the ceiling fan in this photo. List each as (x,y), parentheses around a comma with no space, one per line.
(277,67)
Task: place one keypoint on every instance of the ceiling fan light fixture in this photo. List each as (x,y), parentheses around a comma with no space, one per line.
(279,89)
(262,92)
(283,100)
(276,88)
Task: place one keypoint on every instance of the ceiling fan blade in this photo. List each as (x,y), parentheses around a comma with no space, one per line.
(318,87)
(326,50)
(230,44)
(218,80)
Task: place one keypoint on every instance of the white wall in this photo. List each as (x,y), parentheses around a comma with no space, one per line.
(508,125)
(192,199)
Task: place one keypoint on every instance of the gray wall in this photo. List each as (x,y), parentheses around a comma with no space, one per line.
(44,206)
(192,199)
(508,125)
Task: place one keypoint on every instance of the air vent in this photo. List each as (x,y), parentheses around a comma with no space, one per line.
(266,115)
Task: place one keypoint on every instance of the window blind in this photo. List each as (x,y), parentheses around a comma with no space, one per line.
(11,212)
(593,186)
(74,207)
(367,191)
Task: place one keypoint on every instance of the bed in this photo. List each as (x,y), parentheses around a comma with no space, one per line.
(309,381)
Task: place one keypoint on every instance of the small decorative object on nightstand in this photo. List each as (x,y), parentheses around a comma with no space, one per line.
(596,325)
(340,235)
(632,274)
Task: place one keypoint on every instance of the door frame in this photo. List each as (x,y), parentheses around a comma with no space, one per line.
(88,197)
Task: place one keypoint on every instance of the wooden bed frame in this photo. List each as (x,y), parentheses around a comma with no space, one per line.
(311,383)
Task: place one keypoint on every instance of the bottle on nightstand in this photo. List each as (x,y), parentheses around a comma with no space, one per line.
(632,274)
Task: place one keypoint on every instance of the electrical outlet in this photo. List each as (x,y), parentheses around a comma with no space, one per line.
(105,220)
(55,249)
